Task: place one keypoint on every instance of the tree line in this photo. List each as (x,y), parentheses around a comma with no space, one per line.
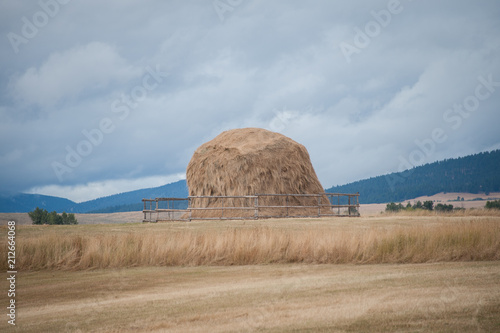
(429,205)
(426,205)
(42,216)
(492,204)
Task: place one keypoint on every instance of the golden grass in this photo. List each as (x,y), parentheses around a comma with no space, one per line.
(205,276)
(356,241)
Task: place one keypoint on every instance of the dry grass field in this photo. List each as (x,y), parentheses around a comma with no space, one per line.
(405,273)
(470,201)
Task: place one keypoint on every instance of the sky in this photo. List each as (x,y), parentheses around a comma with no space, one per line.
(102,97)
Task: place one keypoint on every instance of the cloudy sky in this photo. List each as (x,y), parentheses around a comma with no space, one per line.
(100,97)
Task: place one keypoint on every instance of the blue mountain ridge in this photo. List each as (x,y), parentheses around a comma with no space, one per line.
(472,174)
(478,173)
(127,201)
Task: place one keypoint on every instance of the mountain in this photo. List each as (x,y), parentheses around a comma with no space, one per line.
(131,201)
(471,174)
(123,202)
(22,203)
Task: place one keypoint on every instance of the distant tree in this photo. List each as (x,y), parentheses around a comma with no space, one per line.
(443,207)
(393,207)
(428,205)
(408,206)
(54,218)
(68,218)
(39,216)
(42,216)
(492,204)
(418,205)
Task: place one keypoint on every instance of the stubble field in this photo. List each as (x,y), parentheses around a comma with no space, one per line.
(405,273)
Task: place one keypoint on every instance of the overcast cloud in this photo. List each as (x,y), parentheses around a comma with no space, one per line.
(100,97)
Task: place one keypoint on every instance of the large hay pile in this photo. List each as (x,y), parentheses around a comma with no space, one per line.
(251,161)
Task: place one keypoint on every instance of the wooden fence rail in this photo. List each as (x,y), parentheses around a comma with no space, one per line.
(262,205)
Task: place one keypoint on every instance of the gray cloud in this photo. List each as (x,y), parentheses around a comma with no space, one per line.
(85,81)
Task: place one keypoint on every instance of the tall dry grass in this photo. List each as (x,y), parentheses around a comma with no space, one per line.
(475,239)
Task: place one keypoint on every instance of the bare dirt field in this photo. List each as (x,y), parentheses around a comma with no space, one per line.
(277,275)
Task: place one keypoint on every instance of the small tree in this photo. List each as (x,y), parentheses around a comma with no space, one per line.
(393,207)
(39,216)
(429,205)
(443,207)
(42,216)
(54,218)
(68,218)
(492,204)
(64,217)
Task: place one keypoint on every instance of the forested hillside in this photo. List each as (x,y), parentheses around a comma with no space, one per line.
(473,174)
(22,203)
(122,202)
(131,201)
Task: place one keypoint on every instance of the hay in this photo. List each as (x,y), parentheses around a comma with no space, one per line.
(251,161)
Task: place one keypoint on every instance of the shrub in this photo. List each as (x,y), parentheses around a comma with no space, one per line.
(392,207)
(42,216)
(492,204)
(444,208)
(429,205)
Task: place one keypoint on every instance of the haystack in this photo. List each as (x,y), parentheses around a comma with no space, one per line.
(252,161)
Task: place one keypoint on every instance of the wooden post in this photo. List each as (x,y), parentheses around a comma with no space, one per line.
(357,203)
(157,212)
(256,203)
(189,209)
(171,214)
(287,205)
(319,205)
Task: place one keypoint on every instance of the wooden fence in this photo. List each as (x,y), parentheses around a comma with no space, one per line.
(251,207)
